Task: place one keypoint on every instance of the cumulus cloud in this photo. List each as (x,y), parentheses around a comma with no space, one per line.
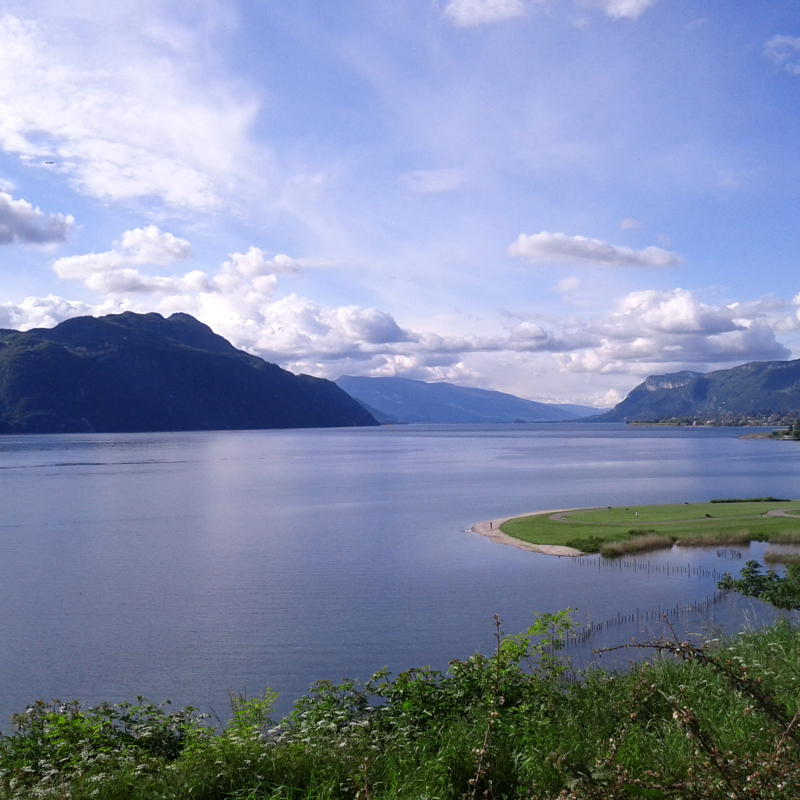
(648,330)
(548,247)
(432,181)
(109,130)
(114,271)
(469,13)
(253,264)
(21,222)
(785,52)
(45,312)
(246,280)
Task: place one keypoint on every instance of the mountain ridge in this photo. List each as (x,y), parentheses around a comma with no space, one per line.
(757,389)
(142,372)
(411,401)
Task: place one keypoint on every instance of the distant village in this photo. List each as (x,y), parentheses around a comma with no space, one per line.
(789,422)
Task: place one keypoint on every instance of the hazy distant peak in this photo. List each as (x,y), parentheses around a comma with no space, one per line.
(409,400)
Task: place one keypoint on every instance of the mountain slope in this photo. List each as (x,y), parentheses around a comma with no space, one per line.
(141,372)
(407,400)
(757,389)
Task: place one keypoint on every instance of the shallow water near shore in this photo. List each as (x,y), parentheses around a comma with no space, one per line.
(185,565)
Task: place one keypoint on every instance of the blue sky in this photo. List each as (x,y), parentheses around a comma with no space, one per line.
(554,198)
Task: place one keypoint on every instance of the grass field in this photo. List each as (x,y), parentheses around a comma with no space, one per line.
(690,524)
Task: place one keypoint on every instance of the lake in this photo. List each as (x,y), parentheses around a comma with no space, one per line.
(186,565)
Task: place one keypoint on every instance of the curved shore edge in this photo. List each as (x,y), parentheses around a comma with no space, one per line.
(491,530)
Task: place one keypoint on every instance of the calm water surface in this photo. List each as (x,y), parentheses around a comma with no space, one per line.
(184,565)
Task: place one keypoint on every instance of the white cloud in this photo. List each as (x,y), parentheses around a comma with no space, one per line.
(647,332)
(21,222)
(138,128)
(651,329)
(547,247)
(471,13)
(468,13)
(626,9)
(45,312)
(253,264)
(432,181)
(113,271)
(150,246)
(235,300)
(629,224)
(785,52)
(244,282)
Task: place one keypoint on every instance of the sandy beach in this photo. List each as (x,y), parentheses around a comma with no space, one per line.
(491,529)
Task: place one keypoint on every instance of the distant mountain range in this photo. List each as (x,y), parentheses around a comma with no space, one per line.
(141,372)
(759,390)
(393,400)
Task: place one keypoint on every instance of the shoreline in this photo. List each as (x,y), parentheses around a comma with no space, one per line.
(497,536)
(491,529)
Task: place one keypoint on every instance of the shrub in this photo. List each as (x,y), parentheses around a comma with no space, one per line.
(589,544)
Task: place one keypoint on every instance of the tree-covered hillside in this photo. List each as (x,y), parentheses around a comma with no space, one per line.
(759,389)
(141,372)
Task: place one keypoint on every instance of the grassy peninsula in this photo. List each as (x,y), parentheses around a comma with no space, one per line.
(624,529)
(713,721)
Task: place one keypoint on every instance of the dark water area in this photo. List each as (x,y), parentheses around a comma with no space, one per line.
(186,565)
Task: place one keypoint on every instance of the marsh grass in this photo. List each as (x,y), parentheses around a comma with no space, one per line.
(640,543)
(786,537)
(773,557)
(712,538)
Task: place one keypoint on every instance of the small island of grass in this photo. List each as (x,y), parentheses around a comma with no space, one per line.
(614,531)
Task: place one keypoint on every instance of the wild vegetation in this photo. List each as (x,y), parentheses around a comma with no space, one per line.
(717,720)
(781,591)
(636,544)
(775,557)
(609,532)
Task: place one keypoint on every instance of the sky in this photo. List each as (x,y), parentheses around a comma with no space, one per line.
(553,198)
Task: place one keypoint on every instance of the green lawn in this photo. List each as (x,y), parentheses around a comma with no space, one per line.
(678,521)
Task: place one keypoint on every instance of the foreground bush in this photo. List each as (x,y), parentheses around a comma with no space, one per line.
(717,721)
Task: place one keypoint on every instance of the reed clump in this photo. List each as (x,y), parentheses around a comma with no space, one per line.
(712,538)
(789,537)
(637,544)
(774,557)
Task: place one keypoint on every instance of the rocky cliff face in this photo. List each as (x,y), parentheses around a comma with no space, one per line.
(141,372)
(757,389)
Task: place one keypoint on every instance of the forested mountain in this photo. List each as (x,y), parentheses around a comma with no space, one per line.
(758,390)
(142,372)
